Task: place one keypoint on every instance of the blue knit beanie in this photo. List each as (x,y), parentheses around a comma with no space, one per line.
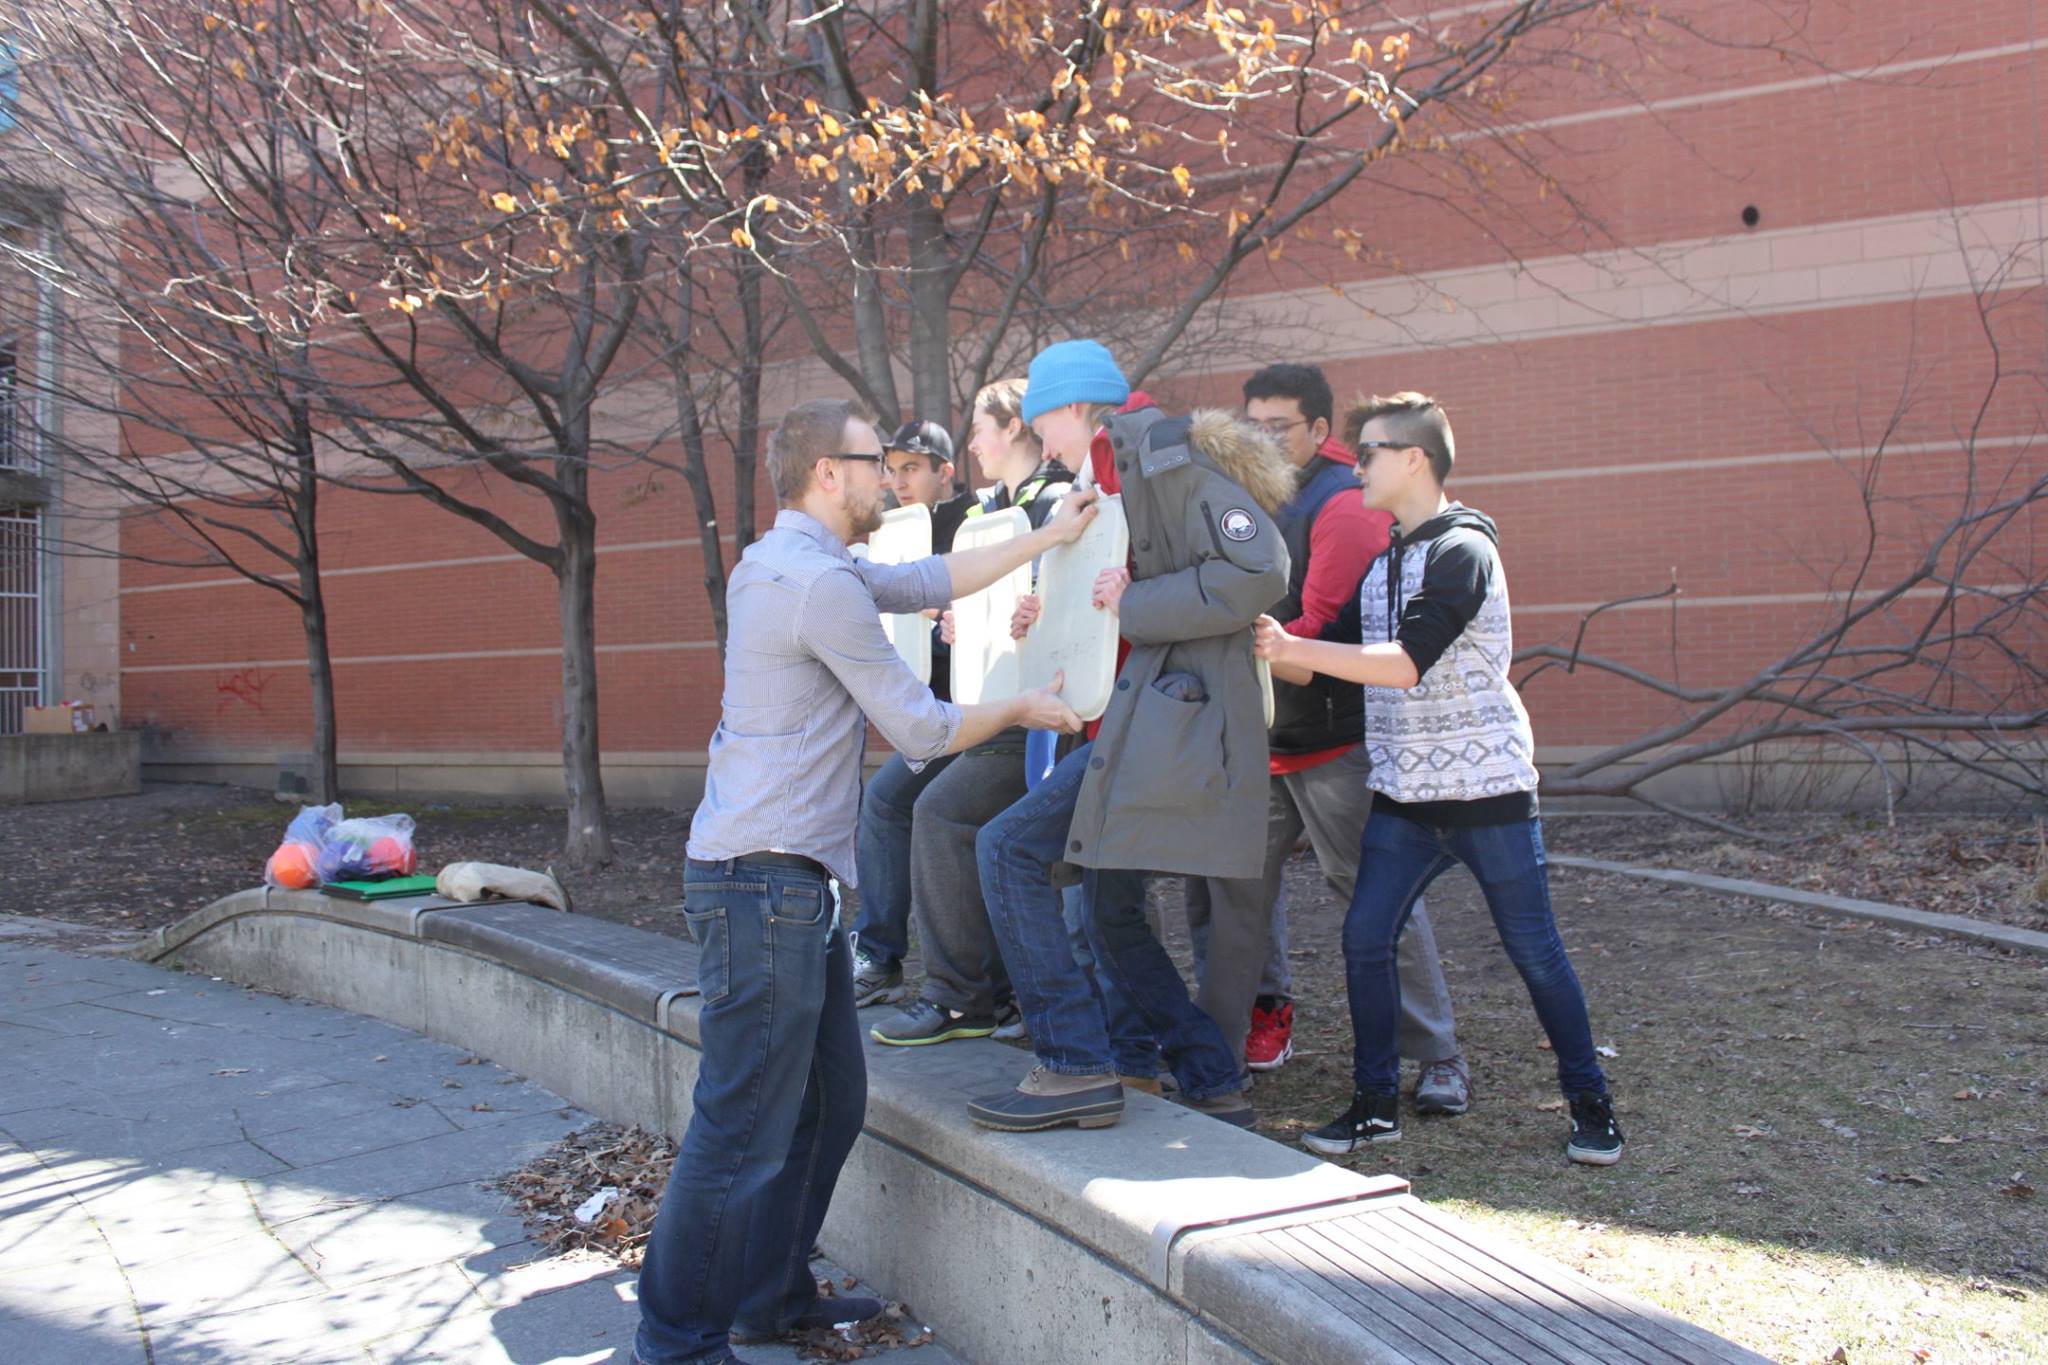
(1073,372)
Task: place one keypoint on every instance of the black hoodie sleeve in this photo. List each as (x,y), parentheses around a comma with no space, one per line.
(1455,582)
(1349,627)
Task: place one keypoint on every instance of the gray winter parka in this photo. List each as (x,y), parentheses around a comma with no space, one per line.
(1178,781)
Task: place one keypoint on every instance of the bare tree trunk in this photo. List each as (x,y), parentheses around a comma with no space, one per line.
(870,320)
(325,777)
(933,272)
(697,473)
(589,831)
(931,299)
(326,768)
(746,455)
(746,444)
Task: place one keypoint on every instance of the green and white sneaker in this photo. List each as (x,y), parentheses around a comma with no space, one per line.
(925,1023)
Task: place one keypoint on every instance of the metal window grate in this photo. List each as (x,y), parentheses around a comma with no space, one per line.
(13,455)
(21,615)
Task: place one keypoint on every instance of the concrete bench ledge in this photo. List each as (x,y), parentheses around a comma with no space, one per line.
(1168,1239)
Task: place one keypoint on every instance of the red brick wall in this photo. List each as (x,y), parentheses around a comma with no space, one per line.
(460,657)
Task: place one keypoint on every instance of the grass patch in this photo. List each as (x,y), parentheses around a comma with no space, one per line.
(1833,1128)
(1791,1304)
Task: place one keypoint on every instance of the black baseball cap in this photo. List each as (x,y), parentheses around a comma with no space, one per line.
(928,439)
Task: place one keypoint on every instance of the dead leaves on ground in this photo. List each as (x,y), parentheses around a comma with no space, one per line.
(636,1163)
(550,1188)
(892,1331)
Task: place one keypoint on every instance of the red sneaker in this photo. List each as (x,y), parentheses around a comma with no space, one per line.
(1271,1040)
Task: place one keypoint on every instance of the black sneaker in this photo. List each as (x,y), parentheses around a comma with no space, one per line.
(1596,1135)
(1233,1109)
(1370,1119)
(1010,1025)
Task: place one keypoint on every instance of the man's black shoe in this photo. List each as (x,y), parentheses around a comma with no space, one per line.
(823,1315)
(1370,1119)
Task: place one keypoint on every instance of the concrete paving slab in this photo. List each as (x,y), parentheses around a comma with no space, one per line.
(84,1274)
(373,1130)
(244,1179)
(511,1274)
(46,1120)
(74,1018)
(162,1130)
(64,1340)
(572,1323)
(347,1246)
(500,1101)
(19,1036)
(415,1168)
(265,1114)
(132,1188)
(35,993)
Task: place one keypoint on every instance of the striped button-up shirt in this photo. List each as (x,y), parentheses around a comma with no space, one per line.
(806,668)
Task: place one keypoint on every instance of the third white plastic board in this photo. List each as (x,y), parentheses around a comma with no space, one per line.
(984,655)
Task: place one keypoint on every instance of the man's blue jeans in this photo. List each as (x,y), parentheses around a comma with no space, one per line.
(1016,852)
(781,1092)
(1398,859)
(882,856)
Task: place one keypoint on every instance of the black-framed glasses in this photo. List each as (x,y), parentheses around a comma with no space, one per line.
(1273,426)
(856,455)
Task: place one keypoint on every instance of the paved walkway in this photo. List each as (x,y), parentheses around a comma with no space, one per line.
(194,1172)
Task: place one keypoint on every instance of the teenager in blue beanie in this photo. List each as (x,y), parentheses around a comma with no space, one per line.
(1073,372)
(1175,779)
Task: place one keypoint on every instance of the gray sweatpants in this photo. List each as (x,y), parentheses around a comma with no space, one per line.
(962,967)
(1239,926)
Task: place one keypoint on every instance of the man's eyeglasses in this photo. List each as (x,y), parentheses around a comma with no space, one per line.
(854,455)
(1273,426)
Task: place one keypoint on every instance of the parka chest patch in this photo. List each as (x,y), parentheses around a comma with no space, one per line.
(1238,524)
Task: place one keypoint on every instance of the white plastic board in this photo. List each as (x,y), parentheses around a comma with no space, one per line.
(906,536)
(984,655)
(1071,635)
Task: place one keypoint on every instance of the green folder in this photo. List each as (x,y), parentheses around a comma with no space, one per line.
(381,890)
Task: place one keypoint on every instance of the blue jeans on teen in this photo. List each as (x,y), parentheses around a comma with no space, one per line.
(1016,852)
(1134,966)
(780,1097)
(1398,859)
(1131,1044)
(882,856)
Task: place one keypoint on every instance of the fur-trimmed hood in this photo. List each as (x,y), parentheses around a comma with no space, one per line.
(1246,454)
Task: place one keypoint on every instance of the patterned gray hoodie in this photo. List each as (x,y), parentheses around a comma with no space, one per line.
(1460,735)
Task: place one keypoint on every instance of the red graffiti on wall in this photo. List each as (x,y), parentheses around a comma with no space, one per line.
(244,685)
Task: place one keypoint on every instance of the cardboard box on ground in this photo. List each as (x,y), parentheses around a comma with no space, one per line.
(65,718)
